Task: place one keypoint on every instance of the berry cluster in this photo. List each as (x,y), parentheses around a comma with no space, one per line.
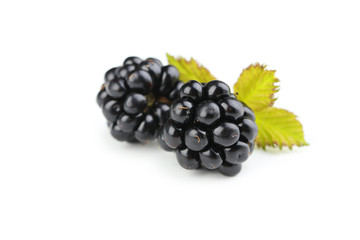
(135,98)
(209,128)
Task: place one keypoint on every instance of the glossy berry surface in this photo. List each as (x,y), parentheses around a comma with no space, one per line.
(161,140)
(116,88)
(187,158)
(172,134)
(208,112)
(209,128)
(135,98)
(181,111)
(110,74)
(161,111)
(169,77)
(226,134)
(147,129)
(192,90)
(196,139)
(216,90)
(210,159)
(174,93)
(128,122)
(140,81)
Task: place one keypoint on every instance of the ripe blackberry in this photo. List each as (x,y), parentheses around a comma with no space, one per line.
(209,128)
(135,98)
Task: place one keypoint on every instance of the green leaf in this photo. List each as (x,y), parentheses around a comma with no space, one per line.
(256,87)
(278,127)
(190,70)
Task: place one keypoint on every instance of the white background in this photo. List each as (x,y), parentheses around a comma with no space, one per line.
(62,176)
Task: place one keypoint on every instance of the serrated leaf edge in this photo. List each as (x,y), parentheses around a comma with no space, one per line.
(275,143)
(276,88)
(203,76)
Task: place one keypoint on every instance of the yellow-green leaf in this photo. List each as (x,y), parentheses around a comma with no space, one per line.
(256,87)
(278,127)
(190,70)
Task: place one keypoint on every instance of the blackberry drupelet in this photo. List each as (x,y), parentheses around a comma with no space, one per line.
(136,97)
(209,128)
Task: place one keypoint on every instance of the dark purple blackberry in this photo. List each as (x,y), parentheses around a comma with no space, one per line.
(209,128)
(136,97)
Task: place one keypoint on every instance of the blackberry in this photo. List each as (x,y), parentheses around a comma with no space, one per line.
(135,98)
(209,128)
